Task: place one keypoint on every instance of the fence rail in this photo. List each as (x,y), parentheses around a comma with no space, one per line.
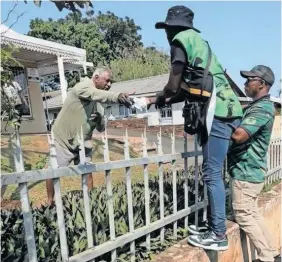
(22,177)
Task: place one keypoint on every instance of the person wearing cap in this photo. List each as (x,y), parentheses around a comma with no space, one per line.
(247,160)
(188,48)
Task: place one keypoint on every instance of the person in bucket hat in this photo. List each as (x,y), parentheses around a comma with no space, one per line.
(247,161)
(188,49)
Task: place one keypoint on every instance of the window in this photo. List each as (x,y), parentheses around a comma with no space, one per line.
(124,111)
(108,110)
(19,74)
(166,112)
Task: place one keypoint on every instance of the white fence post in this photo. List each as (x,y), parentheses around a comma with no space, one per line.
(161,182)
(86,200)
(174,182)
(186,186)
(26,210)
(147,190)
(109,195)
(59,202)
(196,181)
(129,195)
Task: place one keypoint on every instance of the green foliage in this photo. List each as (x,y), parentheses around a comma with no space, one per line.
(8,111)
(13,245)
(109,41)
(73,6)
(94,35)
(120,34)
(140,63)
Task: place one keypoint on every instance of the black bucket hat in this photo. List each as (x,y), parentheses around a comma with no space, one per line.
(178,16)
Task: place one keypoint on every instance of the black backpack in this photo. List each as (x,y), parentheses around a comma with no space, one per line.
(199,86)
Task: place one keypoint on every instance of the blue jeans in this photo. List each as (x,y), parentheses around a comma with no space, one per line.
(214,154)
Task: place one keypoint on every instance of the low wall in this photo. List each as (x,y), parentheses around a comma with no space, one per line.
(270,207)
(141,123)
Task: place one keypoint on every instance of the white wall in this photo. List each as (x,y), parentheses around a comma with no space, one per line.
(177,118)
(154,115)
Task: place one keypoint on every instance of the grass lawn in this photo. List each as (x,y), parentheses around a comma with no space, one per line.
(36,149)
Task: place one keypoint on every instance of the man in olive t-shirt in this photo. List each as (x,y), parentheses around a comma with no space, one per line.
(247,160)
(81,109)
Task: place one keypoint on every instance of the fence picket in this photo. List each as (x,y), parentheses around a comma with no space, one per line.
(161,183)
(109,195)
(26,210)
(186,186)
(147,190)
(86,200)
(174,182)
(196,182)
(129,195)
(59,202)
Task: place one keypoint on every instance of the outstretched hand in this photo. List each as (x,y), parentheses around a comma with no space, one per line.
(124,98)
(152,100)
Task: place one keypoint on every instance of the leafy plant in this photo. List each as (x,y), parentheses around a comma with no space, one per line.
(13,247)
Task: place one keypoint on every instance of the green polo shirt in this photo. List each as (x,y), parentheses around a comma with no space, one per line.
(248,161)
(197,53)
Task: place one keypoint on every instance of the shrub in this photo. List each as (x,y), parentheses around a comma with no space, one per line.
(13,247)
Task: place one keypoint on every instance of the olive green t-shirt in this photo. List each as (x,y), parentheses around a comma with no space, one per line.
(227,103)
(82,101)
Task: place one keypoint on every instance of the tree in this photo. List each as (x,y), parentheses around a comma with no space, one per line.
(142,62)
(73,31)
(120,34)
(108,40)
(8,111)
(73,6)
(105,37)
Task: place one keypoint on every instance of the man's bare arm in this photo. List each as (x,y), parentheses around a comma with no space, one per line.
(178,97)
(240,136)
(174,80)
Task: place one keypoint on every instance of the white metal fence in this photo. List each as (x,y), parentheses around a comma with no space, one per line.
(22,177)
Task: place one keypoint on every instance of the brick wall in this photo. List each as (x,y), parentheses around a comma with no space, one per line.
(141,123)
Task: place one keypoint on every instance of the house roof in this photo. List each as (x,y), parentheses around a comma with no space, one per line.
(144,86)
(9,36)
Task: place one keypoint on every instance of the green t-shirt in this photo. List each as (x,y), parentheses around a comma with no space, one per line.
(248,161)
(227,103)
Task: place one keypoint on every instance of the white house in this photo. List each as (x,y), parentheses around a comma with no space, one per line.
(148,87)
(40,58)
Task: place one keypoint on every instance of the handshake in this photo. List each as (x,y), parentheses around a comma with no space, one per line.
(159,101)
(124,99)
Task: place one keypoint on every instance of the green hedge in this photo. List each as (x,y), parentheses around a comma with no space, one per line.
(13,247)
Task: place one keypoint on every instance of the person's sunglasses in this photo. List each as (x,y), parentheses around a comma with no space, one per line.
(252,79)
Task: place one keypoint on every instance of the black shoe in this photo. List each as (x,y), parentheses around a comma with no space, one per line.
(277,258)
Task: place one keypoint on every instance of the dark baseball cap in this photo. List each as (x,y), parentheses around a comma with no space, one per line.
(261,71)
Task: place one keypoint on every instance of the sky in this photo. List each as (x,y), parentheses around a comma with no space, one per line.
(241,33)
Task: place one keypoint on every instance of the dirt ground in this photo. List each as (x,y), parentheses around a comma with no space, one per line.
(35,151)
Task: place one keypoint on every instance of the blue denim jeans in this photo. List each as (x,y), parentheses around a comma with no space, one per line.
(214,154)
